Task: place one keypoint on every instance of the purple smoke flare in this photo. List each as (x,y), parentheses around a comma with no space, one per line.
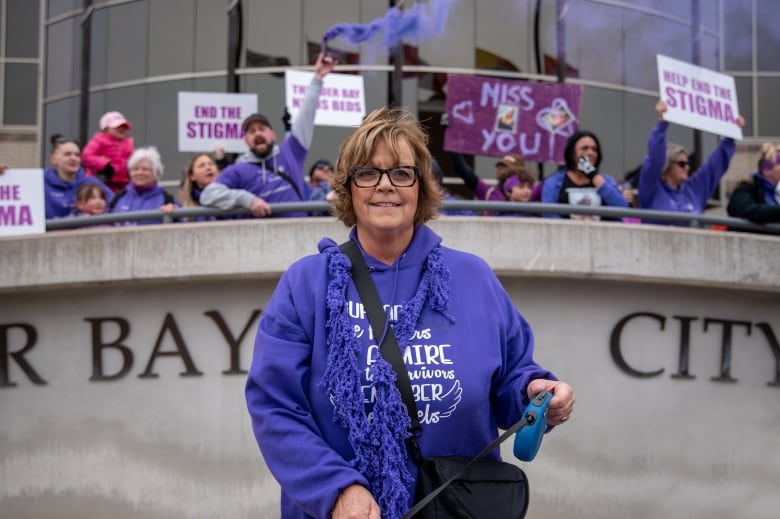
(419,22)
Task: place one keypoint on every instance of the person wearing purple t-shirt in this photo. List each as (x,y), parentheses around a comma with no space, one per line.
(268,172)
(665,179)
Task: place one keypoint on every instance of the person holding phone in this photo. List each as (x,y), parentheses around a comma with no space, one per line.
(580,181)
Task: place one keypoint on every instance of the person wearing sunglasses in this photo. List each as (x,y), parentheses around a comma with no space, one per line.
(666,182)
(326,412)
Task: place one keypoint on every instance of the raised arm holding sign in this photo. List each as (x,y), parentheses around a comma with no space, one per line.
(665,179)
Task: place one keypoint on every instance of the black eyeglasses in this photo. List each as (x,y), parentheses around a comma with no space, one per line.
(399,176)
(683,163)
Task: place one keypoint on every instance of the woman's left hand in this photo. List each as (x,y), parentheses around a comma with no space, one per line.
(562,403)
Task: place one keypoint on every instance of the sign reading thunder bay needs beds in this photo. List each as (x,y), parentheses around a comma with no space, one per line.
(342,99)
(698,97)
(208,119)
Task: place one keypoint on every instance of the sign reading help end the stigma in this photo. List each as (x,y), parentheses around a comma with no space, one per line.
(209,119)
(489,116)
(698,97)
(342,99)
(22,209)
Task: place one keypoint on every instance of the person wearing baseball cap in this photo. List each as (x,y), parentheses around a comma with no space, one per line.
(509,164)
(105,155)
(320,176)
(270,172)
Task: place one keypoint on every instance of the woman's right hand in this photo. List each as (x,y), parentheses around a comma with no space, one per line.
(356,502)
(661,107)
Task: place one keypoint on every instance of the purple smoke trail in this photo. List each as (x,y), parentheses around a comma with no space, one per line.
(418,22)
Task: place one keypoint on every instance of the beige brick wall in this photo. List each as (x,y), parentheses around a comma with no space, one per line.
(19,149)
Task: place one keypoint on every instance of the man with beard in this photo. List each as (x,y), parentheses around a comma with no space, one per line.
(268,172)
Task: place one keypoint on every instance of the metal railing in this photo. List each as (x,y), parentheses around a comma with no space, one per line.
(191,214)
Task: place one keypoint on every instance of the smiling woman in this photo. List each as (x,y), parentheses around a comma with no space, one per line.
(143,192)
(314,352)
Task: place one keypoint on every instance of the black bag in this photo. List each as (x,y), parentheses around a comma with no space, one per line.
(487,489)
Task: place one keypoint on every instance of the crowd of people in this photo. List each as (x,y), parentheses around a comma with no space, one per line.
(272,171)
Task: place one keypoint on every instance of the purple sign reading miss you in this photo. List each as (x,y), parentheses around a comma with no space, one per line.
(491,116)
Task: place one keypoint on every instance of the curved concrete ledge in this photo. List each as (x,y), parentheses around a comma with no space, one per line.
(513,246)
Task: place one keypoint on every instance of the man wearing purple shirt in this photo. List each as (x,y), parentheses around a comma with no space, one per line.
(268,172)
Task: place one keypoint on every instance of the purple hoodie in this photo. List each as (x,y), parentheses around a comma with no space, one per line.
(469,366)
(146,200)
(692,195)
(60,196)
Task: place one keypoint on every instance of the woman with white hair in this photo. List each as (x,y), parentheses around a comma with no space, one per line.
(665,180)
(143,193)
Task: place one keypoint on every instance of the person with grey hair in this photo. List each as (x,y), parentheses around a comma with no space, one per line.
(665,179)
(143,193)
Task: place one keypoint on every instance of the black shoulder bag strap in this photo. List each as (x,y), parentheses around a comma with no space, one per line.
(392,354)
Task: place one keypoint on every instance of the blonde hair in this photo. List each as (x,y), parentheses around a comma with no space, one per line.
(394,127)
(768,157)
(672,152)
(185,193)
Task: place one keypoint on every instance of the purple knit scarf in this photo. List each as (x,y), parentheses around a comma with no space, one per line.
(379,442)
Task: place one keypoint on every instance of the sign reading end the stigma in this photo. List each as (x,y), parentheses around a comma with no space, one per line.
(21,202)
(698,97)
(209,119)
(342,98)
(489,116)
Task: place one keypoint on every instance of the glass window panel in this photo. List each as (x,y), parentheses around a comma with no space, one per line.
(21,35)
(20,103)
(58,7)
(737,41)
(769,112)
(172,55)
(211,38)
(127,42)
(767,23)
(744,86)
(669,38)
(98,51)
(63,57)
(676,8)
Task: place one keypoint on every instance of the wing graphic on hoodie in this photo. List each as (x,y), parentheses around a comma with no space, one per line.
(450,400)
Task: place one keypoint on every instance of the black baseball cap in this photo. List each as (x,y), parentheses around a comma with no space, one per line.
(255,118)
(321,163)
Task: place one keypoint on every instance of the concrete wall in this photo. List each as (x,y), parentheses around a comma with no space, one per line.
(123,355)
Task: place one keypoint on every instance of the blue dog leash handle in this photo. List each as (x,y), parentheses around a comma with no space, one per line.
(529,438)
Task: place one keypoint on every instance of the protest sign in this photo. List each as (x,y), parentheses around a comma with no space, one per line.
(22,209)
(698,97)
(489,116)
(342,98)
(208,119)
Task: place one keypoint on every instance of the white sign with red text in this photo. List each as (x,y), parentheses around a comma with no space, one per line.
(342,99)
(22,209)
(698,97)
(209,119)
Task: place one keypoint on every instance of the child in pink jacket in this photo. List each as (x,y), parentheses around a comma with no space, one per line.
(105,155)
